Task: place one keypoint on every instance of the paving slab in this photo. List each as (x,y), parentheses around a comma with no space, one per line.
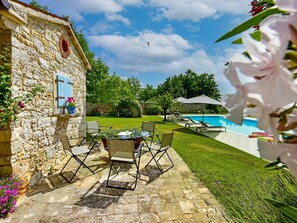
(174,196)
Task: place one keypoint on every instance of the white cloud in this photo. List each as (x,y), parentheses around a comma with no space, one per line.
(117,17)
(88,6)
(130,2)
(195,10)
(134,50)
(168,29)
(76,8)
(100,27)
(166,54)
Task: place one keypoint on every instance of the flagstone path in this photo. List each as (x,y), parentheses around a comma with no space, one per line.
(175,196)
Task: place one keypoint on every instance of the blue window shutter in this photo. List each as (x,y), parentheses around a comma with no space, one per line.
(64,88)
(68,88)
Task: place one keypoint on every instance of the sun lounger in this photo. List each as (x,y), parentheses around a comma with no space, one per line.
(205,126)
(192,123)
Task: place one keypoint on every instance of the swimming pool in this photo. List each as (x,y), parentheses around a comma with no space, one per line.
(248,126)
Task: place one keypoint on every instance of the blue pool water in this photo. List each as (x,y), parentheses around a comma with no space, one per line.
(248,126)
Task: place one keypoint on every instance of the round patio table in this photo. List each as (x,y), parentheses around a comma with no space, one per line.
(127,134)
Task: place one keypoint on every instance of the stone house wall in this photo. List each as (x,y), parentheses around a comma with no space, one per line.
(36,59)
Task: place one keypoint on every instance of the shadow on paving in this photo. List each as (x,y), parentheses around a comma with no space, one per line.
(101,198)
(55,181)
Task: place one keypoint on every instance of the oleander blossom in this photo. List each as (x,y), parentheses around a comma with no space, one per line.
(272,95)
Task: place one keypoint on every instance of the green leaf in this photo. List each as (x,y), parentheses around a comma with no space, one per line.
(250,23)
(288,211)
(255,35)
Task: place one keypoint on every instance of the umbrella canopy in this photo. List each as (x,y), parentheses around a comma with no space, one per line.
(202,99)
(181,99)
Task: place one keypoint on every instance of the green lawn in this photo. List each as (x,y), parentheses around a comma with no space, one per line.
(238,180)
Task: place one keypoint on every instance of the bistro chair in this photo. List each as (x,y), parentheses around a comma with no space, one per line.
(95,131)
(150,128)
(161,150)
(74,152)
(123,152)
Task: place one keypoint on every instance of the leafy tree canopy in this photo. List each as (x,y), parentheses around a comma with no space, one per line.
(190,85)
(147,93)
(37,5)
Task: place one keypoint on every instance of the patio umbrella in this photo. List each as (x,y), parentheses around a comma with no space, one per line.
(180,99)
(202,99)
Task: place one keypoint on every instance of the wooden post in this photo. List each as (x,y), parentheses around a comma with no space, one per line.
(5,151)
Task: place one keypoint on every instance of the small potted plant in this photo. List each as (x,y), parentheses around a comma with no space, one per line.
(71,106)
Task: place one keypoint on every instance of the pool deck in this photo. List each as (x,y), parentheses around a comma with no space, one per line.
(242,142)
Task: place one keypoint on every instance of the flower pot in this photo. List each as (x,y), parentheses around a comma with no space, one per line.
(71,109)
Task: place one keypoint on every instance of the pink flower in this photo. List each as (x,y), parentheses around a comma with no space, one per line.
(70,99)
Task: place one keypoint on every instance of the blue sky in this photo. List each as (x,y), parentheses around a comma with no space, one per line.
(181,35)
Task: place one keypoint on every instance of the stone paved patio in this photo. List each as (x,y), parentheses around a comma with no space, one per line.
(174,196)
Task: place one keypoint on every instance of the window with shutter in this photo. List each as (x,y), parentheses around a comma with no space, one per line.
(64,88)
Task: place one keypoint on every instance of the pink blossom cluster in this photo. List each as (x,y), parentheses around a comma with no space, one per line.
(271,95)
(8,194)
(70,99)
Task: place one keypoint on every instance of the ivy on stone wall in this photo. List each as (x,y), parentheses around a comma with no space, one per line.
(11,106)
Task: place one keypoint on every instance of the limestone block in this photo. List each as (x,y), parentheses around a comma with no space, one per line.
(58,57)
(29,75)
(43,142)
(43,63)
(17,44)
(38,134)
(50,152)
(23,39)
(25,30)
(16,147)
(44,122)
(50,131)
(14,159)
(48,35)
(32,52)
(39,45)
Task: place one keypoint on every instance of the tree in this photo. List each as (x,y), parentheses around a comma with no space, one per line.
(135,85)
(112,89)
(189,85)
(99,72)
(166,102)
(147,93)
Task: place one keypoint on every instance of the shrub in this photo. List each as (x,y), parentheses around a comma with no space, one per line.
(127,107)
(125,113)
(8,194)
(153,110)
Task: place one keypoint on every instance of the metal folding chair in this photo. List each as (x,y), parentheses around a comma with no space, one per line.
(123,151)
(95,131)
(74,152)
(150,128)
(161,150)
